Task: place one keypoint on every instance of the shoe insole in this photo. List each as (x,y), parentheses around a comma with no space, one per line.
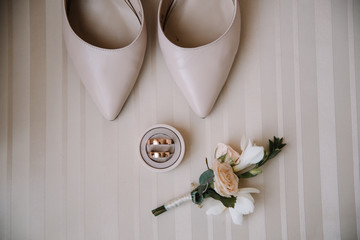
(193,23)
(107,24)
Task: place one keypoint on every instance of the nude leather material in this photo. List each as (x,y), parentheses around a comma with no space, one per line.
(201,71)
(108,73)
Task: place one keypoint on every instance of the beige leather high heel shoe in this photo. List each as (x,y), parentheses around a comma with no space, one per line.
(106,41)
(199,40)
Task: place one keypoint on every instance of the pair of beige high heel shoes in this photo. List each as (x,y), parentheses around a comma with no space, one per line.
(106,40)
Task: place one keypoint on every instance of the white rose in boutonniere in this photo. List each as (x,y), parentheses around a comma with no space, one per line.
(251,154)
(225,181)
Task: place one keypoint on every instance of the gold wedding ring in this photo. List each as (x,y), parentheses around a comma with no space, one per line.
(160,141)
(156,155)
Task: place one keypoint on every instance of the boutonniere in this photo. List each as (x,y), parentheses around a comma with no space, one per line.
(221,180)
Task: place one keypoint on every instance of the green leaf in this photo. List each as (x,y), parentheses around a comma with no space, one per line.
(252,173)
(222,158)
(227,202)
(245,175)
(273,154)
(206,177)
(202,188)
(271,145)
(196,197)
(255,171)
(275,147)
(278,143)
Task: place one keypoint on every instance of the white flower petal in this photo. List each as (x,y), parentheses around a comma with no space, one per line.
(243,143)
(248,196)
(244,206)
(237,218)
(242,165)
(216,208)
(239,167)
(252,155)
(248,190)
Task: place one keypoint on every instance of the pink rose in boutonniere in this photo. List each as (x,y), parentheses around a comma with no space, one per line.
(225,153)
(225,181)
(250,154)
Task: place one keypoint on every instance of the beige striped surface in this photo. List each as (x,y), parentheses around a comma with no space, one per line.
(66,173)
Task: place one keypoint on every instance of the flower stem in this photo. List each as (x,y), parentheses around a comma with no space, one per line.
(159,210)
(172,204)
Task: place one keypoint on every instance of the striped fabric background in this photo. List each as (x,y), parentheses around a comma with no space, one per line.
(66,173)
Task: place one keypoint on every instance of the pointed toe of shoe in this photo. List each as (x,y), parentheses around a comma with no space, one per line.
(202,114)
(108,74)
(200,111)
(110,100)
(202,90)
(109,106)
(200,72)
(110,114)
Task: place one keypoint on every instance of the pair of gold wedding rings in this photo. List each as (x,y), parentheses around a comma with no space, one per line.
(160,141)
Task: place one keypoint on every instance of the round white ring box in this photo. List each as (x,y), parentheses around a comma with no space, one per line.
(161,148)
